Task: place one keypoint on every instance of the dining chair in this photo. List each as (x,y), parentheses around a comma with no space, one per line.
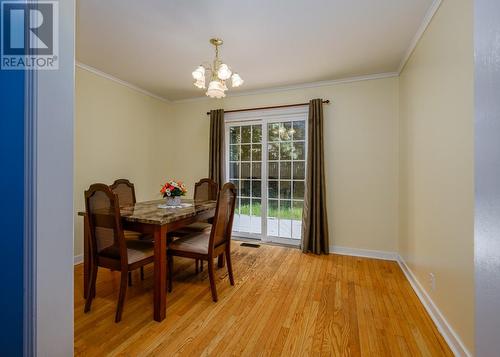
(207,245)
(108,246)
(126,194)
(204,190)
(125,191)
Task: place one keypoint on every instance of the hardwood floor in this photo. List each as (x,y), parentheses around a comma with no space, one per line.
(284,303)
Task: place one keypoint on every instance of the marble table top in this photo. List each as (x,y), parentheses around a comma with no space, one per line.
(149,212)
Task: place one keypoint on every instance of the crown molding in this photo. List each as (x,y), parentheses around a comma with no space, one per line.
(429,15)
(119,81)
(299,86)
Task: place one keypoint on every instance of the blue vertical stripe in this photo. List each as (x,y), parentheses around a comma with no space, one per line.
(12,89)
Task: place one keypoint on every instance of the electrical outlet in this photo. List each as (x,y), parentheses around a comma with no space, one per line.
(432,281)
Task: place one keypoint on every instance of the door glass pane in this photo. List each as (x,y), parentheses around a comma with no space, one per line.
(298,189)
(256,216)
(246,134)
(299,152)
(256,170)
(299,170)
(273,151)
(234,152)
(256,188)
(273,189)
(256,152)
(234,135)
(245,188)
(245,152)
(273,170)
(285,170)
(285,216)
(299,130)
(244,225)
(273,132)
(286,174)
(245,171)
(285,131)
(285,190)
(272,218)
(234,170)
(256,133)
(297,207)
(285,151)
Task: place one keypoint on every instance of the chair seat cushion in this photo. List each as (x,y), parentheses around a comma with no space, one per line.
(196,227)
(136,250)
(192,243)
(133,235)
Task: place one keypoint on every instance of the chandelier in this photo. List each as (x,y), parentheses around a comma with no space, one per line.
(219,74)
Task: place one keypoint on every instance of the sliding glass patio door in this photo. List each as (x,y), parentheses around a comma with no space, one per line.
(266,160)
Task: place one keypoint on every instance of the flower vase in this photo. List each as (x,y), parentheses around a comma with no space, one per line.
(173,200)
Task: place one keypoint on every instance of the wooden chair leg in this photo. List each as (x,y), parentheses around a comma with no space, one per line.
(142,273)
(201,265)
(196,266)
(121,296)
(229,267)
(91,287)
(170,262)
(220,261)
(129,278)
(212,279)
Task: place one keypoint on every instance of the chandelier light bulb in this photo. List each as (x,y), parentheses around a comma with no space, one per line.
(200,83)
(224,72)
(236,80)
(199,73)
(215,90)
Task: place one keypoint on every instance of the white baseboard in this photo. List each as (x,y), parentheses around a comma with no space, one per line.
(450,336)
(365,253)
(77,259)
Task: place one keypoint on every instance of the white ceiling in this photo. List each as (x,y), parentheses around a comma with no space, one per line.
(155,44)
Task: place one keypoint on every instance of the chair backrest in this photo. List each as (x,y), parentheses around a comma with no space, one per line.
(223,219)
(206,190)
(125,191)
(103,214)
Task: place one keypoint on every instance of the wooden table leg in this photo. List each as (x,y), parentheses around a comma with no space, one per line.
(160,273)
(220,261)
(86,256)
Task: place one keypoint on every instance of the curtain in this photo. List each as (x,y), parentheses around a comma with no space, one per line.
(314,217)
(216,152)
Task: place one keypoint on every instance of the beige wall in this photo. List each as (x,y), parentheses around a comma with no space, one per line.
(436,161)
(361,151)
(115,137)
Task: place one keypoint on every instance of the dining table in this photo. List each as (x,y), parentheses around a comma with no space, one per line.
(157,219)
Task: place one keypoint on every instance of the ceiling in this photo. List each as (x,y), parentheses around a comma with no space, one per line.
(156,44)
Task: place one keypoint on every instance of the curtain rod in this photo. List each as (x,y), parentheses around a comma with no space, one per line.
(273,107)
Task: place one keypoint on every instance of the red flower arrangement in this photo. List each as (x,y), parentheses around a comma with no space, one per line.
(173,189)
